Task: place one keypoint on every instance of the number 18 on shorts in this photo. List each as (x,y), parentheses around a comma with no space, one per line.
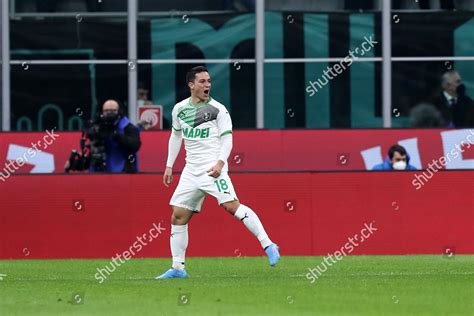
(192,190)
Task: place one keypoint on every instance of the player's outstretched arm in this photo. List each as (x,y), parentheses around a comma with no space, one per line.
(174,145)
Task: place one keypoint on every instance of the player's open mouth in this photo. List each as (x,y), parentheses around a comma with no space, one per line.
(206,92)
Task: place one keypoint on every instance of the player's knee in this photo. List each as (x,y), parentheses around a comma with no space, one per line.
(231,206)
(177,219)
(176,216)
(180,216)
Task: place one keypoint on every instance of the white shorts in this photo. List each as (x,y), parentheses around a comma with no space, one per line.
(192,190)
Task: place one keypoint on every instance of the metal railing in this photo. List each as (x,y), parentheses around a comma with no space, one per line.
(132,15)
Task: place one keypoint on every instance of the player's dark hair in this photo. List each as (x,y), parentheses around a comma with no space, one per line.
(191,74)
(396,148)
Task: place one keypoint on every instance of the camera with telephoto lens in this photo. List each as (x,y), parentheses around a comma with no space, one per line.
(93,154)
(98,131)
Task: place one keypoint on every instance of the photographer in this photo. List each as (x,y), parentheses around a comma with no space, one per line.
(112,143)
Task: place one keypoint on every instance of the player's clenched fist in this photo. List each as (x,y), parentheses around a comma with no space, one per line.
(168,177)
(215,171)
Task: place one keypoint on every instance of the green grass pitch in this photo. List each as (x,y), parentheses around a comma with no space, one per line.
(356,285)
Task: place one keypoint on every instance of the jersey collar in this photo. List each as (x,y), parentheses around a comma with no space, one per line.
(191,103)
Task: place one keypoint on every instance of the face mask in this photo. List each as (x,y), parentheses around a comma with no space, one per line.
(141,102)
(461,90)
(400,165)
(110,118)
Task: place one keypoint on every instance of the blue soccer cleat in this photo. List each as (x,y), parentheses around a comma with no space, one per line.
(273,254)
(173,274)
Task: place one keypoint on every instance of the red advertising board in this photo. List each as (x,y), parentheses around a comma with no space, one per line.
(312,213)
(267,150)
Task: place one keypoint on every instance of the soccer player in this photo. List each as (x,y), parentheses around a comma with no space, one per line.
(206,127)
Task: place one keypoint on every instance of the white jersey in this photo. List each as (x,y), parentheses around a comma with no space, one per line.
(201,127)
